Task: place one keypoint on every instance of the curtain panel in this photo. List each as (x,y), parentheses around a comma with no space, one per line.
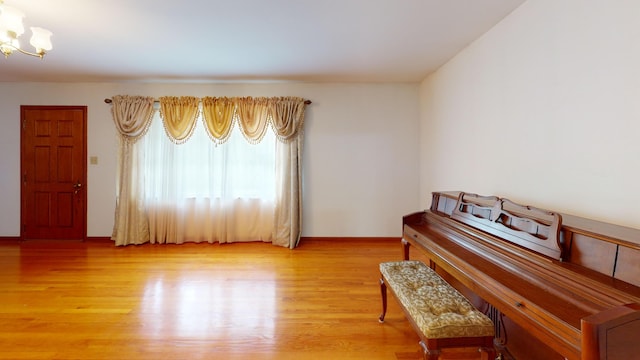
(254,117)
(287,116)
(132,117)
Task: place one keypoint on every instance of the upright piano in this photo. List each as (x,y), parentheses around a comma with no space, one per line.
(556,286)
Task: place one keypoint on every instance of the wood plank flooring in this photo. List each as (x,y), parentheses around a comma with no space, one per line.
(91,300)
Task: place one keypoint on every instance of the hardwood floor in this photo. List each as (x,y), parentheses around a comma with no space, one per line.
(91,300)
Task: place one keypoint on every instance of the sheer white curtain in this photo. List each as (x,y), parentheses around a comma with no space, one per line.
(232,174)
(202,191)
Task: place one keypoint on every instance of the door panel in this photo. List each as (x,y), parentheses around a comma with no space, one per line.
(53,168)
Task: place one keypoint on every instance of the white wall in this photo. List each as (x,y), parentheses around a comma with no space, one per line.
(360,173)
(543,109)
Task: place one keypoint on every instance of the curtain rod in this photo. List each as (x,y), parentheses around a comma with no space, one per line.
(109,101)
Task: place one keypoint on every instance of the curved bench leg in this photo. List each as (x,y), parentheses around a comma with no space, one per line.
(429,354)
(383,292)
(488,350)
(488,353)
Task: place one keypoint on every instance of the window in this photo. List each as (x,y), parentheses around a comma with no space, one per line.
(203,191)
(199,168)
(239,190)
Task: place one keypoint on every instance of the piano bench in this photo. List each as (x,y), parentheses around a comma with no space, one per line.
(442,317)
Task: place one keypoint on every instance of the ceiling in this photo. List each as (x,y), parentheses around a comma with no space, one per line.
(248,40)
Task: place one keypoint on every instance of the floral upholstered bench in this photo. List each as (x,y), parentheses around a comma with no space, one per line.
(442,317)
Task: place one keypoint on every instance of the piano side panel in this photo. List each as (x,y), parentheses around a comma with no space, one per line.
(612,334)
(593,254)
(622,341)
(628,265)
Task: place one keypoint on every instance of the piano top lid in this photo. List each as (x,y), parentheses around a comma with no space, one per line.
(619,234)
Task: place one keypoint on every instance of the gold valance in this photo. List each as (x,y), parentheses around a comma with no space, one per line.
(179,115)
(217,115)
(254,115)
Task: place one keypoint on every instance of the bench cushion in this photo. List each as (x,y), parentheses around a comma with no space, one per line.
(437,308)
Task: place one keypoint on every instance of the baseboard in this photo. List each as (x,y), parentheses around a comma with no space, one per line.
(98,239)
(9,238)
(348,238)
(89,238)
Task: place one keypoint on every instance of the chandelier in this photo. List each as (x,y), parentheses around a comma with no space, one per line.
(11,28)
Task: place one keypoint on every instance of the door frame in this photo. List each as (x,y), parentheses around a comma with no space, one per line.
(83,193)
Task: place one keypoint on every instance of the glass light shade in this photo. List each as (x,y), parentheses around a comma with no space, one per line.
(41,39)
(11,20)
(7,47)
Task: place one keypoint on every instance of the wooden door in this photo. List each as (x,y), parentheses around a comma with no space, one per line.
(54,172)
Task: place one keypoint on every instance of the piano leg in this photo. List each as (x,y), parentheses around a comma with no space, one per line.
(405,253)
(383,292)
(405,249)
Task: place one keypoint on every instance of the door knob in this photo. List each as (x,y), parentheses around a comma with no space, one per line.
(77,186)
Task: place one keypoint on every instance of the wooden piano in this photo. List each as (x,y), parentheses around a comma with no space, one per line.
(556,286)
